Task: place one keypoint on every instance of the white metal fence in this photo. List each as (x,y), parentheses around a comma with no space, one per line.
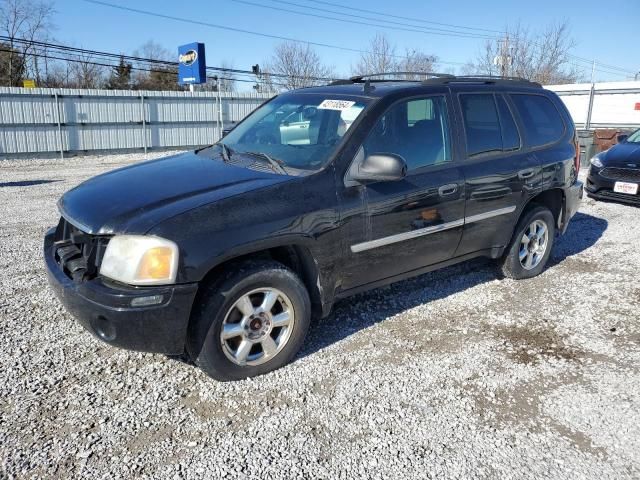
(44,120)
(602,105)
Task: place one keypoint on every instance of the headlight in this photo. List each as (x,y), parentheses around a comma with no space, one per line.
(596,162)
(140,260)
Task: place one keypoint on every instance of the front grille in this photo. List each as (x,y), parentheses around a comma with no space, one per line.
(79,254)
(621,174)
(623,197)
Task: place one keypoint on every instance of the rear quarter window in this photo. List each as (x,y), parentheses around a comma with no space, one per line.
(542,121)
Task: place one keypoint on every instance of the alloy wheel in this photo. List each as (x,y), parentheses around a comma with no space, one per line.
(533,244)
(257,327)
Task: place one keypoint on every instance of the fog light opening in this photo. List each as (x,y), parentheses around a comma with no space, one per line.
(147,301)
(104,329)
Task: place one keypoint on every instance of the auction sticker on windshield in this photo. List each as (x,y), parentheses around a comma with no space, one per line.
(336,105)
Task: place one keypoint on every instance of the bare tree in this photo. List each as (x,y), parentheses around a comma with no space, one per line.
(297,66)
(227,80)
(154,74)
(542,57)
(379,57)
(85,73)
(416,61)
(26,22)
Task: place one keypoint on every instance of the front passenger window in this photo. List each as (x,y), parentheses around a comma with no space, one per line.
(417,130)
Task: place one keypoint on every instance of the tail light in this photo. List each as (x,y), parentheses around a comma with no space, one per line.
(576,143)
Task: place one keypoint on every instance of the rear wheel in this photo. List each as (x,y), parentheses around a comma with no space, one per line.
(531,245)
(250,322)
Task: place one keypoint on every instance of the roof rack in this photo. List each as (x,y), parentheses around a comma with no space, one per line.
(435,78)
(371,77)
(486,79)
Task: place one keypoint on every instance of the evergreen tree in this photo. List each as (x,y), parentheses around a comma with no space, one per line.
(120,78)
(12,66)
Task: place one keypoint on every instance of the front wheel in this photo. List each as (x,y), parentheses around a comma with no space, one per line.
(531,245)
(252,321)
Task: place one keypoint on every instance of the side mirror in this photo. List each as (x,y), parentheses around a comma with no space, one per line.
(622,137)
(377,167)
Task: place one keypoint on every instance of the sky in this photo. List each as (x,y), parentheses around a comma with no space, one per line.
(608,33)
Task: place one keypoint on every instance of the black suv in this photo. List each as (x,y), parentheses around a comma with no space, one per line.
(228,252)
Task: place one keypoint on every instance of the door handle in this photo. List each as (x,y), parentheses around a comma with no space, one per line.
(528,173)
(448,189)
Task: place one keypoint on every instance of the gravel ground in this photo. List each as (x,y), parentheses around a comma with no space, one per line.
(455,374)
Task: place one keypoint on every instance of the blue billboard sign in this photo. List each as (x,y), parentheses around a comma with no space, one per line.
(192,65)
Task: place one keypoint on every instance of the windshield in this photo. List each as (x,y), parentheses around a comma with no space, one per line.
(634,137)
(298,130)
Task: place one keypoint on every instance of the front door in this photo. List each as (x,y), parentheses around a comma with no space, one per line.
(415,222)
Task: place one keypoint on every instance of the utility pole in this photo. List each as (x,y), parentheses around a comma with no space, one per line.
(504,59)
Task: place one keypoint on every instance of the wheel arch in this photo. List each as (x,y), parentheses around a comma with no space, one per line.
(294,255)
(553,199)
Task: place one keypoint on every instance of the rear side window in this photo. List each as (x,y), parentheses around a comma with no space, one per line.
(489,124)
(481,123)
(510,135)
(540,117)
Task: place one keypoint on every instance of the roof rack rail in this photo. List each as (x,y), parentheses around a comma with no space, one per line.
(435,78)
(483,79)
(371,77)
(359,78)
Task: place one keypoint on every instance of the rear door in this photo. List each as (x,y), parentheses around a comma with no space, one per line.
(417,221)
(500,173)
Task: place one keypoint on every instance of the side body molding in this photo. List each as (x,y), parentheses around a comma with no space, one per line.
(401,237)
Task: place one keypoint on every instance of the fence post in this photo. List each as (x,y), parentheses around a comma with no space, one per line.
(144,123)
(591,95)
(60,143)
(220,117)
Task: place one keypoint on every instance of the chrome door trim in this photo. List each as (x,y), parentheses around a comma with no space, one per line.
(491,214)
(401,237)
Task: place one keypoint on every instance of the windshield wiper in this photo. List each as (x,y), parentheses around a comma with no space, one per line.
(277,164)
(226,152)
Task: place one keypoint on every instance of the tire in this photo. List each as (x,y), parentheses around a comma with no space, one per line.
(535,258)
(246,351)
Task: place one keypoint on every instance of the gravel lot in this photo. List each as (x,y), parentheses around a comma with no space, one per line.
(455,374)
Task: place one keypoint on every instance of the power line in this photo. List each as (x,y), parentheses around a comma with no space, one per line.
(385,14)
(442,32)
(135,68)
(191,21)
(501,32)
(423,30)
(167,63)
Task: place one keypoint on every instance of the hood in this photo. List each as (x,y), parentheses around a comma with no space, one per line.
(622,154)
(136,198)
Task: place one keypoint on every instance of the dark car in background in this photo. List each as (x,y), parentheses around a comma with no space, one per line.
(228,252)
(615,173)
